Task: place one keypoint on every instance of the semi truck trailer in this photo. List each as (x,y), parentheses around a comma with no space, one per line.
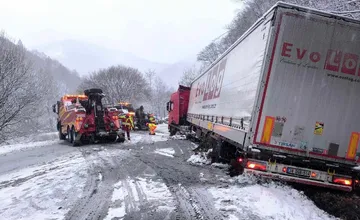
(283,101)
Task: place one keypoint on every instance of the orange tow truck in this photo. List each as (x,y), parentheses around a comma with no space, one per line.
(83,118)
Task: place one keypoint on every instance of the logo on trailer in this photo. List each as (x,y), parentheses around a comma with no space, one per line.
(209,86)
(335,60)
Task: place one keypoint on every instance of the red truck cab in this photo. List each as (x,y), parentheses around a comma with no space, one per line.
(177,108)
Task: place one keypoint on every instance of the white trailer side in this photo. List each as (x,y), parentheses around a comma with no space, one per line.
(226,92)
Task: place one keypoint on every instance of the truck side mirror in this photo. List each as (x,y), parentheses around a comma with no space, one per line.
(54,108)
(168,106)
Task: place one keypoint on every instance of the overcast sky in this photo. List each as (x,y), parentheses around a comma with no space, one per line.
(157,30)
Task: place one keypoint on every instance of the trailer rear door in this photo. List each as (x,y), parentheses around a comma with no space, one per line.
(311,99)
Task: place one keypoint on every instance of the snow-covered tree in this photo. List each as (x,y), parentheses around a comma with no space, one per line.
(22,89)
(161,95)
(188,76)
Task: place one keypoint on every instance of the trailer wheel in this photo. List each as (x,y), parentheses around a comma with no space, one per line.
(216,149)
(235,168)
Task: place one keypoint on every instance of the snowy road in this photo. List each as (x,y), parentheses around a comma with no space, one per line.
(150,177)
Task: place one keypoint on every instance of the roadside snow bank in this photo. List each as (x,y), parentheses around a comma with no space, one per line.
(220,165)
(169,152)
(43,192)
(199,159)
(5,149)
(33,138)
(268,201)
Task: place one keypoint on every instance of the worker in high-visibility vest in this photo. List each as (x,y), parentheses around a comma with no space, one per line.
(126,124)
(152,125)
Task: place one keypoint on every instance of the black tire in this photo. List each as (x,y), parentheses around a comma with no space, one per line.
(120,139)
(216,150)
(235,168)
(112,138)
(61,135)
(172,131)
(69,135)
(72,135)
(73,138)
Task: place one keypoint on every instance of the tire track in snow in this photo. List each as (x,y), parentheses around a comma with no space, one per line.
(146,196)
(190,203)
(97,193)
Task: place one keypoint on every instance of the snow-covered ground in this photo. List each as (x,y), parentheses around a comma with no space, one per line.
(220,165)
(245,199)
(162,128)
(169,152)
(132,193)
(162,134)
(43,192)
(199,159)
(178,137)
(138,188)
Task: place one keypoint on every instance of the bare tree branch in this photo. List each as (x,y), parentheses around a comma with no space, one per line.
(119,83)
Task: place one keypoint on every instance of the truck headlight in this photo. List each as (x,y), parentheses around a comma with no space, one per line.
(86,125)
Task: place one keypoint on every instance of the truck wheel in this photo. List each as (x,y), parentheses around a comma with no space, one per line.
(172,131)
(73,138)
(69,135)
(72,135)
(61,135)
(120,139)
(112,138)
(235,168)
(216,149)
